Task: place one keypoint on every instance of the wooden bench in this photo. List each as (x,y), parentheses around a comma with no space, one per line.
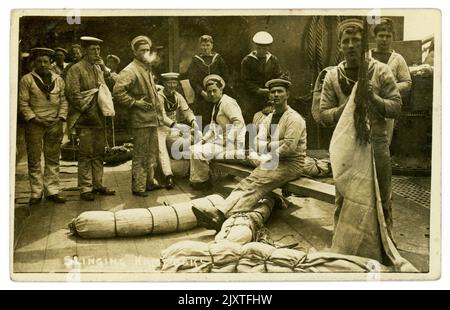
(302,186)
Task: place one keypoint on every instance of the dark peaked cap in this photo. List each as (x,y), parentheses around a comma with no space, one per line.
(278,82)
(42,51)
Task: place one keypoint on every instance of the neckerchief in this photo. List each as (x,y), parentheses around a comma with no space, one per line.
(170,105)
(46,85)
(216,110)
(214,56)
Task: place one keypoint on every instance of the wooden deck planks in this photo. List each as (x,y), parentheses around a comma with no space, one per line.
(29,254)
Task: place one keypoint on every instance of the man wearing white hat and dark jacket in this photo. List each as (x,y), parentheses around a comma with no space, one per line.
(83,80)
(135,89)
(43,105)
(257,68)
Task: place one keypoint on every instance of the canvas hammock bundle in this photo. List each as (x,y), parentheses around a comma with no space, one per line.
(140,222)
(244,227)
(361,228)
(105,101)
(257,257)
(317,167)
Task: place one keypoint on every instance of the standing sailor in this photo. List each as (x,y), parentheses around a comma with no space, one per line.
(257,68)
(43,104)
(205,63)
(83,81)
(136,90)
(385,103)
(384,35)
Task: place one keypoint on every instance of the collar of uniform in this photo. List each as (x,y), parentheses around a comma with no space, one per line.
(253,54)
(53,75)
(175,94)
(285,113)
(86,62)
(88,66)
(341,65)
(203,55)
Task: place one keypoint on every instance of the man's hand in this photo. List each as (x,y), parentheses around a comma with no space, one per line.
(253,155)
(99,61)
(263,92)
(376,102)
(182,127)
(41,122)
(204,95)
(55,121)
(142,104)
(265,158)
(181,130)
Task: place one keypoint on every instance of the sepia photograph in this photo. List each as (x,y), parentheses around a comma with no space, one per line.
(225,145)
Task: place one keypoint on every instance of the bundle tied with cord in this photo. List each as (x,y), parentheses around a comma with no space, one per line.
(314,167)
(245,227)
(140,222)
(257,257)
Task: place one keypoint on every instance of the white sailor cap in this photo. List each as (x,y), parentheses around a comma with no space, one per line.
(87,41)
(263,38)
(116,58)
(61,49)
(169,76)
(214,77)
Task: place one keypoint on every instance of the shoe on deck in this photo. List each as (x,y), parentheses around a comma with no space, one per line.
(153,187)
(210,218)
(89,196)
(140,194)
(170,183)
(56,198)
(34,201)
(104,191)
(201,185)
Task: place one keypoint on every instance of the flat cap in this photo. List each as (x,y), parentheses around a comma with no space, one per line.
(139,40)
(168,76)
(42,51)
(213,77)
(349,23)
(116,58)
(263,38)
(278,82)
